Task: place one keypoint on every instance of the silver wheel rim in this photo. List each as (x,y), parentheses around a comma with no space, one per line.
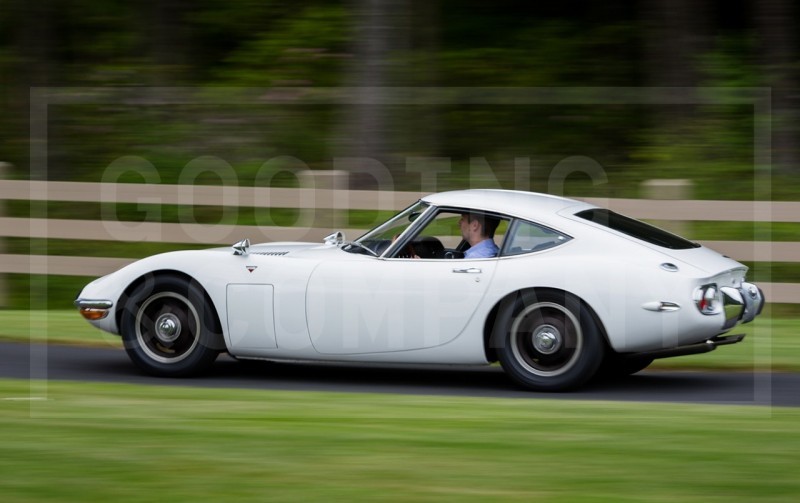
(167,331)
(539,345)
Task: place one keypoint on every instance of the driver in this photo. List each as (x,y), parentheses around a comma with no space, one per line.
(478,230)
(407,251)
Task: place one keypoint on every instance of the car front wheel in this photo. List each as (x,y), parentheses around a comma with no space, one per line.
(169,327)
(616,365)
(547,341)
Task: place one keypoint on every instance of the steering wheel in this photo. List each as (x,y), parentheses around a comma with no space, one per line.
(407,252)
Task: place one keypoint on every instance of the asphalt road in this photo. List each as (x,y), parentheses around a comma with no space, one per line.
(25,361)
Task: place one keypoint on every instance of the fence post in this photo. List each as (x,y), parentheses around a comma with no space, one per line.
(5,169)
(675,190)
(329,211)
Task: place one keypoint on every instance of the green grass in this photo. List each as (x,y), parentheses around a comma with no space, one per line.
(742,231)
(60,327)
(772,342)
(102,442)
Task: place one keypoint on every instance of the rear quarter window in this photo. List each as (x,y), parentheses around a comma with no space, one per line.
(636,229)
(527,237)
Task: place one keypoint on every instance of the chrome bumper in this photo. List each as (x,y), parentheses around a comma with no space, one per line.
(741,304)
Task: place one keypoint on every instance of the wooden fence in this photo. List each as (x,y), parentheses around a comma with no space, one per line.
(309,201)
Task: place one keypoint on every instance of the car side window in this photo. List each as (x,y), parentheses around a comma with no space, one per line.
(441,237)
(527,237)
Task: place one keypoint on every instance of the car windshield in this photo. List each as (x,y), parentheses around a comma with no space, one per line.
(379,238)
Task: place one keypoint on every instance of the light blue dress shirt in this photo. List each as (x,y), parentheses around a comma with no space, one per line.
(484,249)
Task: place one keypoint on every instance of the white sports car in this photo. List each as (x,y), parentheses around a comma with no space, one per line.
(569,289)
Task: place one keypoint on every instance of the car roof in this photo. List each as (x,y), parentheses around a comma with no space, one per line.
(511,202)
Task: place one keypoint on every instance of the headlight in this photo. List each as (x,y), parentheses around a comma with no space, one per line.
(707,299)
(93,310)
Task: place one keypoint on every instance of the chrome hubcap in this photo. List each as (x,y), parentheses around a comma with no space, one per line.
(168,328)
(547,339)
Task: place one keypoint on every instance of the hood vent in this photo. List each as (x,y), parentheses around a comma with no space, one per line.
(269,253)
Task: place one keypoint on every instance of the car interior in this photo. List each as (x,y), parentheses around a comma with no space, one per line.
(440,237)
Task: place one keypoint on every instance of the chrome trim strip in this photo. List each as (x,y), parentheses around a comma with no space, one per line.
(93,304)
(661,307)
(468,270)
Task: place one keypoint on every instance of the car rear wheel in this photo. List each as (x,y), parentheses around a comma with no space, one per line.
(547,341)
(169,327)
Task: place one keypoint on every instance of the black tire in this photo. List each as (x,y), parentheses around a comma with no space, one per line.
(616,365)
(547,341)
(169,327)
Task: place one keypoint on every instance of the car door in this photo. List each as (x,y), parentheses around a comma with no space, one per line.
(375,305)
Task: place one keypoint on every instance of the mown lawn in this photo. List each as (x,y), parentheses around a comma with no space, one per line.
(55,326)
(111,442)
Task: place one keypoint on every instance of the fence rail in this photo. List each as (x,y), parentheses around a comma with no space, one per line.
(319,198)
(263,197)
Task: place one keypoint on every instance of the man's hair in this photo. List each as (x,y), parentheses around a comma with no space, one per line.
(488,224)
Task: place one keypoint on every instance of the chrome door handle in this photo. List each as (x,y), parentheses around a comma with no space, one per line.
(468,270)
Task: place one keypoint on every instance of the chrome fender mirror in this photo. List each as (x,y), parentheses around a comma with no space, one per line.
(241,247)
(336,238)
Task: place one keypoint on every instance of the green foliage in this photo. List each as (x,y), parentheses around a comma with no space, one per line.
(729,63)
(307,49)
(543,54)
(219,46)
(711,144)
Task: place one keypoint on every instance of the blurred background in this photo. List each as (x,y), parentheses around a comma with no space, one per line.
(684,88)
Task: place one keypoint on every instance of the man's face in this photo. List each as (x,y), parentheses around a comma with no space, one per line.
(465,225)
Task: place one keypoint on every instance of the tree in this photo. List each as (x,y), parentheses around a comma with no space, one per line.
(775,24)
(377,35)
